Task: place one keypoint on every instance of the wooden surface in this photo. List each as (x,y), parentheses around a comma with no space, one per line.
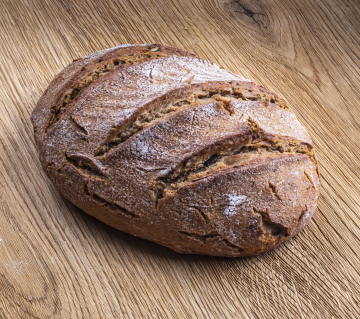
(55,261)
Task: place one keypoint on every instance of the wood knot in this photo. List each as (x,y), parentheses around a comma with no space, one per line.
(252,13)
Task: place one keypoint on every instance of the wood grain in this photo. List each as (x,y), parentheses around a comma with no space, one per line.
(57,262)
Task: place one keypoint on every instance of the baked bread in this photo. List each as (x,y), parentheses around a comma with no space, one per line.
(169,147)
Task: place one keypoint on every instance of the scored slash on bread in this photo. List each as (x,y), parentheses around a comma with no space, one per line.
(169,147)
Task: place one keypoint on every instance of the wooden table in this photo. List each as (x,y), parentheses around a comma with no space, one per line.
(55,261)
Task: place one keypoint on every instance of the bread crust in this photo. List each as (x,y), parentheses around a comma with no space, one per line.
(169,147)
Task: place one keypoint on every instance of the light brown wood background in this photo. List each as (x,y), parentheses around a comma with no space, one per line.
(57,262)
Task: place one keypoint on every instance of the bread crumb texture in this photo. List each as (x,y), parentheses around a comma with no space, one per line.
(169,147)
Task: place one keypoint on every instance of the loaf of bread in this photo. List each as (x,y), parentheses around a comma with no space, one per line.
(164,145)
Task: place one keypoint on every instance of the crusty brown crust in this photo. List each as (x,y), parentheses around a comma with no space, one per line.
(166,146)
